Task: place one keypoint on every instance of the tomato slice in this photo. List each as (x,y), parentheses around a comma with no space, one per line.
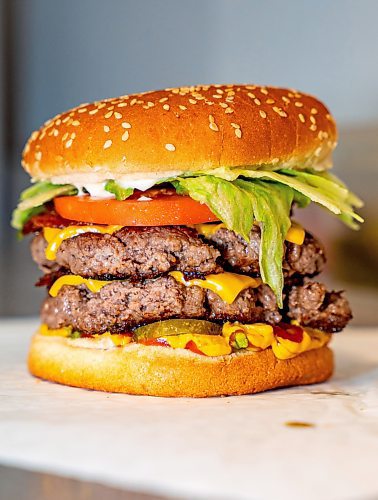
(165,209)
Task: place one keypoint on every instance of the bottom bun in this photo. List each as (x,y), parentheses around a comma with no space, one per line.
(163,371)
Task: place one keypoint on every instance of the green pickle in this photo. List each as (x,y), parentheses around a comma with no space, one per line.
(176,327)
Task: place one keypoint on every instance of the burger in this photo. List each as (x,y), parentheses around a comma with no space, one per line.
(163,224)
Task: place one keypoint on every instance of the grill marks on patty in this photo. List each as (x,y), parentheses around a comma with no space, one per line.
(151,251)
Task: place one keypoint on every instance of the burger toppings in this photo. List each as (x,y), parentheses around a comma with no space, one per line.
(237,197)
(205,338)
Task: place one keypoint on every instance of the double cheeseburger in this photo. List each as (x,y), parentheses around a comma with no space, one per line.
(163,224)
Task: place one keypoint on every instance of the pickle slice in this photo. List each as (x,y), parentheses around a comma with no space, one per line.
(176,327)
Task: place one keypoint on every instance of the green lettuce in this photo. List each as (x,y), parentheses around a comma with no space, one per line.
(119,192)
(32,200)
(240,196)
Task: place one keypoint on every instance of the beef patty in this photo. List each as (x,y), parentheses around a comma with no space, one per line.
(307,259)
(120,305)
(151,251)
(131,252)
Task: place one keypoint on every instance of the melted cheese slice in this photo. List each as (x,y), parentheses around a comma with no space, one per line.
(226,285)
(296,234)
(55,237)
(73,280)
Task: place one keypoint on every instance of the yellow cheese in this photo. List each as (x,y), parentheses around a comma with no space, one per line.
(55,237)
(296,234)
(73,280)
(208,229)
(226,285)
(55,332)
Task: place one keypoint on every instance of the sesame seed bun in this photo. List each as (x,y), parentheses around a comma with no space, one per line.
(183,129)
(162,371)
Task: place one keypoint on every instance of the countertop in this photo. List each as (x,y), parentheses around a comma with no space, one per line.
(234,447)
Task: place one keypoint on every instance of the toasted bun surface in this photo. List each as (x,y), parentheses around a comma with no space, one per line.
(161,371)
(184,129)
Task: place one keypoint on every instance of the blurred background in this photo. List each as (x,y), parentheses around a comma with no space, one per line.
(56,54)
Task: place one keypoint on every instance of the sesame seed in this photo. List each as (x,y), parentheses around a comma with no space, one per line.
(262,113)
(257,101)
(133,101)
(235,125)
(163,99)
(229,111)
(102,105)
(64,136)
(73,135)
(117,115)
(252,96)
(58,122)
(298,104)
(219,91)
(280,111)
(75,123)
(183,108)
(38,155)
(238,133)
(313,127)
(106,128)
(110,108)
(211,118)
(150,104)
(270,101)
(314,111)
(55,132)
(329,117)
(285,99)
(264,91)
(108,115)
(126,125)
(217,96)
(93,111)
(192,101)
(122,105)
(69,143)
(125,135)
(170,147)
(166,107)
(318,151)
(82,110)
(223,105)
(213,126)
(301,117)
(108,143)
(312,119)
(65,120)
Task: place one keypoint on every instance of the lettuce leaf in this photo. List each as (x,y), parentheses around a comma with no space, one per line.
(231,204)
(321,188)
(119,192)
(33,199)
(271,208)
(240,196)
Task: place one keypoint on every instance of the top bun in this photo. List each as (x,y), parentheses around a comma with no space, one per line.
(183,129)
